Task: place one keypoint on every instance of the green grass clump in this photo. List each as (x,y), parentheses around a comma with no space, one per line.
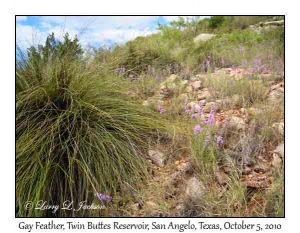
(77,133)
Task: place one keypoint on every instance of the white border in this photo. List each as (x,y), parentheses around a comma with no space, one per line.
(159,7)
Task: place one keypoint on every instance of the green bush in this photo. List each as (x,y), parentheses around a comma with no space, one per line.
(216,22)
(77,133)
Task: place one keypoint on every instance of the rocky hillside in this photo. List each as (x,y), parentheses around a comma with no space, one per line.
(248,159)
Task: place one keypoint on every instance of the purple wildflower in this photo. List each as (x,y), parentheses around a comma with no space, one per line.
(131,76)
(266,70)
(197,129)
(225,123)
(208,61)
(257,62)
(222,61)
(193,116)
(234,67)
(160,109)
(220,140)
(200,108)
(122,70)
(103,197)
(211,119)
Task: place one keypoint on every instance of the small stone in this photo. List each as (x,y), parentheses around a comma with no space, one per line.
(196,85)
(261,167)
(157,157)
(146,103)
(277,161)
(151,204)
(246,171)
(179,207)
(276,93)
(236,123)
(203,37)
(195,78)
(204,94)
(222,177)
(135,206)
(279,127)
(279,150)
(183,167)
(194,189)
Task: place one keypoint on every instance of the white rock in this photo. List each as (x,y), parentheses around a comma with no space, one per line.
(157,157)
(236,123)
(172,78)
(277,161)
(203,37)
(204,94)
(279,127)
(276,93)
(194,189)
(183,167)
(279,150)
(197,85)
(146,103)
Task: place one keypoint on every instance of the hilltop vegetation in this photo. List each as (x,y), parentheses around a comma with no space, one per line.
(185,122)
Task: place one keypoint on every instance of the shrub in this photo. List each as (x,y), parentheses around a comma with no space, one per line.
(77,133)
(216,22)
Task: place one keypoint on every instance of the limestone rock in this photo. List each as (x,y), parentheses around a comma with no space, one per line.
(204,94)
(194,189)
(157,157)
(169,87)
(276,161)
(146,103)
(279,150)
(222,177)
(236,123)
(276,93)
(279,127)
(203,37)
(197,85)
(184,167)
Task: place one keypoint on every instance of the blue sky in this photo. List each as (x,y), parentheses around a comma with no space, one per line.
(91,30)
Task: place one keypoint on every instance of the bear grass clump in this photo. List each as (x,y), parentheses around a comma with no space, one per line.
(77,131)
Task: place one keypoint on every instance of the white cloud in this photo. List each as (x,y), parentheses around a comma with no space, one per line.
(27,36)
(170,18)
(120,35)
(21,18)
(90,29)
